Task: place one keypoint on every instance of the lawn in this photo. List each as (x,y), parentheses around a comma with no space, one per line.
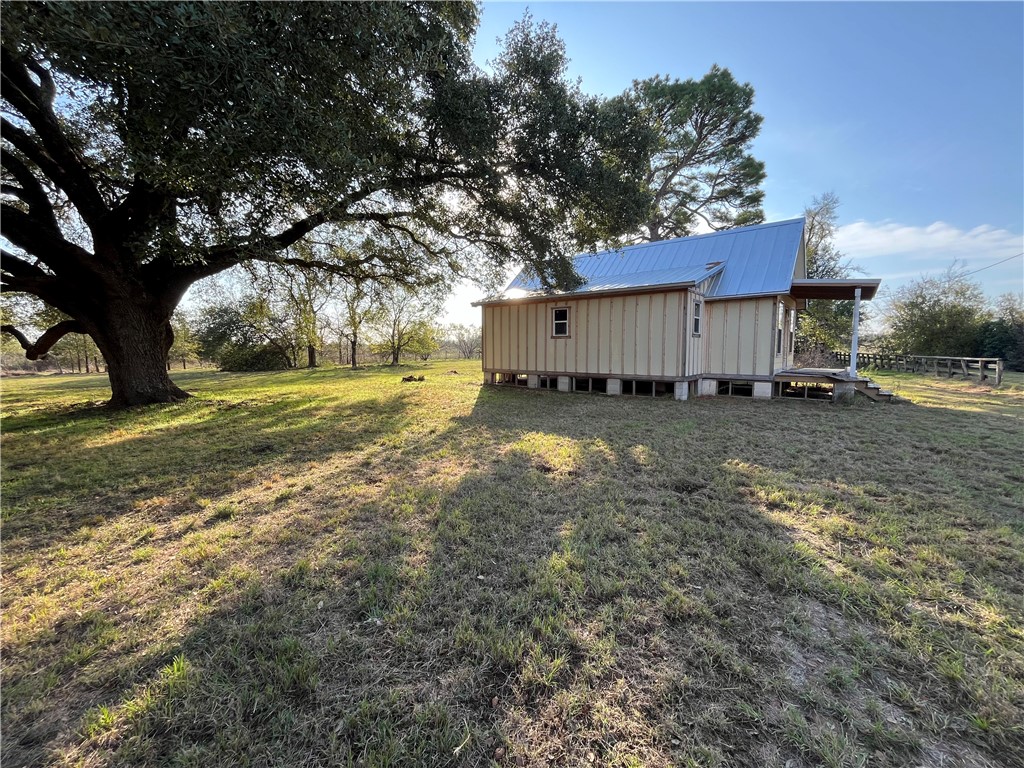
(336,568)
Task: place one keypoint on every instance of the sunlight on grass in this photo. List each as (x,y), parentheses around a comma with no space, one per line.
(440,573)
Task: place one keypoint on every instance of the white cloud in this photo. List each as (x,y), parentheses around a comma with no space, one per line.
(899,253)
(927,248)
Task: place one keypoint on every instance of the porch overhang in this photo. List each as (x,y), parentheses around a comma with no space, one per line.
(834,289)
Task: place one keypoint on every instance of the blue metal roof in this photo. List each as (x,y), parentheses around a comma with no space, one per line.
(746,261)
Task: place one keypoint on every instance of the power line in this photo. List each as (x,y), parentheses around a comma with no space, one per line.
(993,265)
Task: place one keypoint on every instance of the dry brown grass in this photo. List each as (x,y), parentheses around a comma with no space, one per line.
(336,568)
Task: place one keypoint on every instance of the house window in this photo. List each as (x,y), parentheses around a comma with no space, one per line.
(696,318)
(792,331)
(560,321)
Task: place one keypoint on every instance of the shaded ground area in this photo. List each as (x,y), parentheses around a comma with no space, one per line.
(334,567)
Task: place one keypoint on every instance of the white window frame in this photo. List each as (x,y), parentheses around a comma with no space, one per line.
(695,327)
(555,322)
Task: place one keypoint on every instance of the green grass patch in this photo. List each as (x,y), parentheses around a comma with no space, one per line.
(333,567)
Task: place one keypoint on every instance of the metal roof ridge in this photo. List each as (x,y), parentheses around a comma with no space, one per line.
(703,235)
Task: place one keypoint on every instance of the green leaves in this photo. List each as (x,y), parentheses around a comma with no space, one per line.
(700,170)
(252,116)
(185,138)
(826,325)
(937,315)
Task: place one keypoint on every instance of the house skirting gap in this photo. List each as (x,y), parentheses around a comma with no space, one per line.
(681,390)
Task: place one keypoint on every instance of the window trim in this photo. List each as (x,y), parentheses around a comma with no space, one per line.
(698,318)
(567,321)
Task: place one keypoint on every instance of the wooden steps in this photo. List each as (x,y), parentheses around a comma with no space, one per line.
(836,377)
(873,391)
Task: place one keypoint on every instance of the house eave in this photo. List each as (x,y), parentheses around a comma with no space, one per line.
(576,295)
(838,290)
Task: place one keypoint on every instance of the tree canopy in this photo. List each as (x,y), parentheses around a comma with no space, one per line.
(943,315)
(700,169)
(149,145)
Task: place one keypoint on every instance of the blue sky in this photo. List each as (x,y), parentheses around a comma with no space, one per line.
(913,113)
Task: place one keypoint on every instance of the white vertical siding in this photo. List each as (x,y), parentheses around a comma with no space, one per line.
(740,337)
(640,335)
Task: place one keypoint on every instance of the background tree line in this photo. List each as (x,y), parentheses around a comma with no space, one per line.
(950,315)
(944,315)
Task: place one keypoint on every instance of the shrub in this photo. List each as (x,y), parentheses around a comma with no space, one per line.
(260,358)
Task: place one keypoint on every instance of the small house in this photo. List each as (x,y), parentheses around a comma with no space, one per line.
(711,314)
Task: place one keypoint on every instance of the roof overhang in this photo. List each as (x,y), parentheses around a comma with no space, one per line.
(834,289)
(536,296)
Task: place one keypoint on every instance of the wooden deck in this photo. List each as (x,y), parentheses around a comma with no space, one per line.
(817,375)
(814,377)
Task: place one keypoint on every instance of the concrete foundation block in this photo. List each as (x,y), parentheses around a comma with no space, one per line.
(844,392)
(614,387)
(707,387)
(681,390)
(532,381)
(488,377)
(564,384)
(762,389)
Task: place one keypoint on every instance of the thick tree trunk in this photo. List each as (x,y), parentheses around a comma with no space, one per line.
(135,344)
(395,352)
(311,355)
(354,342)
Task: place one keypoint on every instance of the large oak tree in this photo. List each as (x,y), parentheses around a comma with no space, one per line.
(149,145)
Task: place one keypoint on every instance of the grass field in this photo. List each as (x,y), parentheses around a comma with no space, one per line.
(335,568)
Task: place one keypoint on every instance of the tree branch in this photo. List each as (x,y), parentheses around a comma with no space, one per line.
(34,102)
(32,191)
(45,342)
(10,262)
(47,88)
(49,247)
(137,211)
(24,143)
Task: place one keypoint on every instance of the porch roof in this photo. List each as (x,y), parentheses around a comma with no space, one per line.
(834,289)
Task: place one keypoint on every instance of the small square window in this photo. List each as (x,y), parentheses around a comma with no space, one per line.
(696,318)
(560,321)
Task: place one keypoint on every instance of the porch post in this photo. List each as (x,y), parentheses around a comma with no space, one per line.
(856,327)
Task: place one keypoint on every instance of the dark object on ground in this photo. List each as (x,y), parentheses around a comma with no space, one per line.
(413,378)
(452,372)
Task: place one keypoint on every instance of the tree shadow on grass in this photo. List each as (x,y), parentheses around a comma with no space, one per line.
(596,582)
(922,567)
(135,458)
